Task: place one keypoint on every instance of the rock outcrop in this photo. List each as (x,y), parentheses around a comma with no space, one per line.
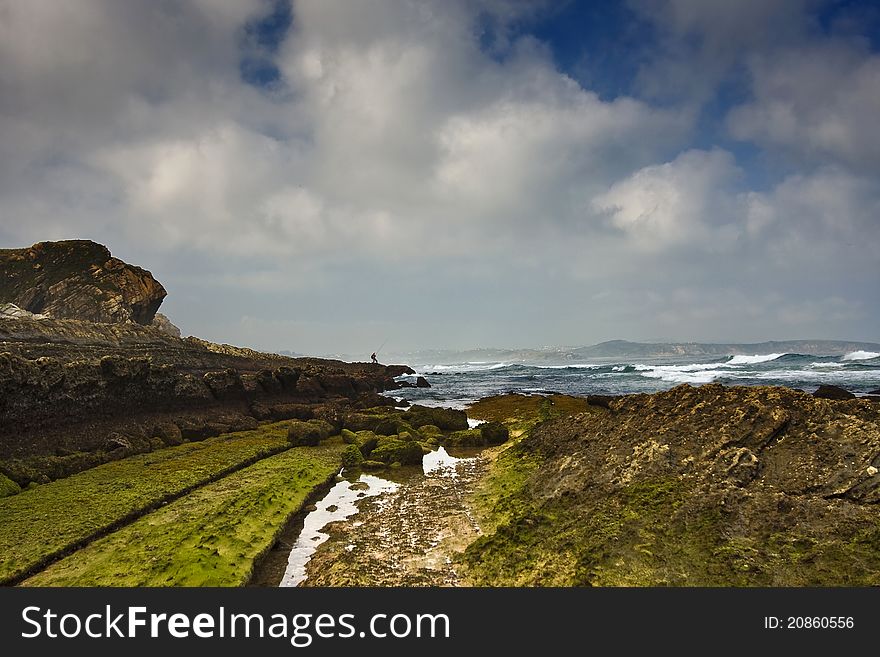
(75,394)
(164,324)
(750,486)
(78,279)
(832,392)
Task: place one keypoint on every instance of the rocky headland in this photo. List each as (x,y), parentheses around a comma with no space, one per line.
(88,374)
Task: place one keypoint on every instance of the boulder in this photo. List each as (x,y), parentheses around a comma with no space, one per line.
(494,433)
(78,279)
(310,386)
(164,325)
(447,419)
(465,438)
(288,377)
(367,441)
(352,457)
(7,486)
(391,450)
(833,392)
(372,399)
(168,432)
(268,382)
(422,382)
(224,385)
(604,401)
(361,421)
(308,433)
(331,414)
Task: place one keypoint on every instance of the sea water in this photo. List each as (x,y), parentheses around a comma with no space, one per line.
(458,384)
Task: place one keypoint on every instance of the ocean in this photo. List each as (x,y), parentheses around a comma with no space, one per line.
(458,384)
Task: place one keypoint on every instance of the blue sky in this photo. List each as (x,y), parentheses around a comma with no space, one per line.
(323,175)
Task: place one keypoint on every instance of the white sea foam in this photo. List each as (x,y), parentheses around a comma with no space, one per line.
(838,377)
(827,365)
(693,367)
(752,360)
(463,368)
(697,373)
(861,355)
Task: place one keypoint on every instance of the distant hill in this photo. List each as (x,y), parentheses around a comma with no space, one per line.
(618,348)
(623,349)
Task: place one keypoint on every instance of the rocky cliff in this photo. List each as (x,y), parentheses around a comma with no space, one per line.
(89,372)
(78,279)
(694,486)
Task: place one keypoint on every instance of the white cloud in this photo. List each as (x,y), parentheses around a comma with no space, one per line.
(402,166)
(817,102)
(685,201)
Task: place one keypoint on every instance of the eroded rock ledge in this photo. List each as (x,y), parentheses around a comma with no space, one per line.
(75,394)
(699,486)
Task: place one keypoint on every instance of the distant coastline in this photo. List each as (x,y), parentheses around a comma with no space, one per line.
(616,349)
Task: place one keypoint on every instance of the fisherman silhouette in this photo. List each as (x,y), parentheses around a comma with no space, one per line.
(373,358)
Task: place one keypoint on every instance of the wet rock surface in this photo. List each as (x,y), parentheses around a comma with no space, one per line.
(409,537)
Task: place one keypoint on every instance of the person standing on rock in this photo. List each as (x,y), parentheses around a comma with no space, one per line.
(374,359)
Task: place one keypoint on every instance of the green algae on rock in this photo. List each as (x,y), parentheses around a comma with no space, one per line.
(708,486)
(48,521)
(211,537)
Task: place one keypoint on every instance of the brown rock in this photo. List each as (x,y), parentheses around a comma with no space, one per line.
(833,392)
(163,324)
(78,279)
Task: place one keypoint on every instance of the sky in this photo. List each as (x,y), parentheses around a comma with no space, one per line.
(323,176)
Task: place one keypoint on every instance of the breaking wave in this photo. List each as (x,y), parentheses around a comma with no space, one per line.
(752,360)
(861,355)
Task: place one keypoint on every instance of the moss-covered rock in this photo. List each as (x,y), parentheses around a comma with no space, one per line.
(707,486)
(428,431)
(369,464)
(466,438)
(349,437)
(494,433)
(367,442)
(308,433)
(392,450)
(447,419)
(8,487)
(394,425)
(361,421)
(352,457)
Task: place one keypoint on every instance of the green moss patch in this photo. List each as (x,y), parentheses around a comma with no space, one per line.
(521,412)
(392,450)
(8,487)
(44,523)
(211,537)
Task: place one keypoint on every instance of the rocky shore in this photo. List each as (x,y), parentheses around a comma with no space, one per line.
(706,486)
(694,486)
(75,392)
